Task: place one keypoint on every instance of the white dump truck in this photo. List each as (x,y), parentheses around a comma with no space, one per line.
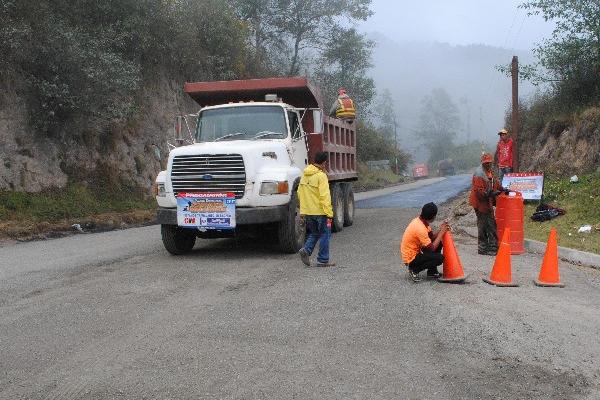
(244,159)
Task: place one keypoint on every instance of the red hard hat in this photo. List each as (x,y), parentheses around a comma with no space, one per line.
(486,158)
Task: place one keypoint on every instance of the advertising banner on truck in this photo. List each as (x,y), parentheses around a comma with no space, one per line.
(529,184)
(206,210)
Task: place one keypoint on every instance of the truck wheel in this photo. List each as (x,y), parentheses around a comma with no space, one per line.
(177,240)
(337,201)
(348,204)
(291,232)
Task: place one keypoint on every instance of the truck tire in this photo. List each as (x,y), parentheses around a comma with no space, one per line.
(291,233)
(348,204)
(177,240)
(337,201)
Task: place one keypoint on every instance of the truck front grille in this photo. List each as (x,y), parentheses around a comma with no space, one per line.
(209,173)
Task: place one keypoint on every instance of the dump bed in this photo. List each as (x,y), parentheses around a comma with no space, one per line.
(339,140)
(297,92)
(338,137)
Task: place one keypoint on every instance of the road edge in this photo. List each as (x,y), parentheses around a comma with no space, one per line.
(565,253)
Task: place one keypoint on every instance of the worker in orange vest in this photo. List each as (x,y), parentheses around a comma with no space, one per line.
(343,107)
(485,187)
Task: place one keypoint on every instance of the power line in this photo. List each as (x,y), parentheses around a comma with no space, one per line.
(495,81)
(519,31)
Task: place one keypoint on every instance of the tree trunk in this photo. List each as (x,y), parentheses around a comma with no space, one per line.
(294,66)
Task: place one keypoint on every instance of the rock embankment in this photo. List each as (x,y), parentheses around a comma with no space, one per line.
(125,153)
(563,148)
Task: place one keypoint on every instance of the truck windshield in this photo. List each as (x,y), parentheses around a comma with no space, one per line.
(241,123)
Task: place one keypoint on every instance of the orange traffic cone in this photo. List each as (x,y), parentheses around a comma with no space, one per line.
(549,270)
(453,270)
(501,272)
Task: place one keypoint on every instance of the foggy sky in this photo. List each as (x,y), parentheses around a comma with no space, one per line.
(463,64)
(460,22)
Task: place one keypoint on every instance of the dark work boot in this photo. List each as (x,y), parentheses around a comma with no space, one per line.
(414,276)
(305,257)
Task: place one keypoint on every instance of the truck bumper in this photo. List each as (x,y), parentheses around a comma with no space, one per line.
(243,216)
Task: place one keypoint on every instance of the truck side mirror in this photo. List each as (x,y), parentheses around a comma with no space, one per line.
(317,121)
(179,130)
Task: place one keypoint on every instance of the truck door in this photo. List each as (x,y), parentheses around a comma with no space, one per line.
(299,150)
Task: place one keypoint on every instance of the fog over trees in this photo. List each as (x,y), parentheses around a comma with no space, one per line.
(412,70)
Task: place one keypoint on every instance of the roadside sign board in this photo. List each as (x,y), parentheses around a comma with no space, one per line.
(206,210)
(529,184)
(379,164)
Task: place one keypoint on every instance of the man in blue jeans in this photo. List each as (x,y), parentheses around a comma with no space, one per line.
(316,209)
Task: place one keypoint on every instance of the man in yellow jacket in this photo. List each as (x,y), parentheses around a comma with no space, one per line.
(316,209)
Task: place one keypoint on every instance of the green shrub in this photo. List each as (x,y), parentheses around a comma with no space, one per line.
(372,145)
(75,201)
(375,179)
(85,63)
(582,204)
(15,201)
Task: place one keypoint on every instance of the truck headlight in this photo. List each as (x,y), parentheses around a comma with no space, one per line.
(267,188)
(159,189)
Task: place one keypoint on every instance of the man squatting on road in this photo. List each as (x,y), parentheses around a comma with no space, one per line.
(316,210)
(420,247)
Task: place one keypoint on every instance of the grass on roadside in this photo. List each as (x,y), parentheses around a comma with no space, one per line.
(376,179)
(27,214)
(582,204)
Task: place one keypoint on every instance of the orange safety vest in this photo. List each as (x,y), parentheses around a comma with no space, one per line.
(345,108)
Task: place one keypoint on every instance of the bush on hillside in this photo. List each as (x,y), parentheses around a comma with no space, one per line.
(569,58)
(372,145)
(85,62)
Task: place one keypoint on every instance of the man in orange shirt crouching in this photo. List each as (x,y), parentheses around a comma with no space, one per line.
(420,247)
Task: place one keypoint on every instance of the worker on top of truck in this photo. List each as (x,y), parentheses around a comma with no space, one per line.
(343,107)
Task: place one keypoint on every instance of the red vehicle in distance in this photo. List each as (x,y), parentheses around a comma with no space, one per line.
(420,171)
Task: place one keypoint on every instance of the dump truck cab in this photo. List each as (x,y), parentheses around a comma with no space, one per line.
(250,149)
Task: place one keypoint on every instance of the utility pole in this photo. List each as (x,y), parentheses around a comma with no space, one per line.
(468,123)
(480,119)
(514,70)
(396,145)
(465,101)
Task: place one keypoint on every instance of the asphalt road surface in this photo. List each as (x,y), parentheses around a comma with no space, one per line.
(439,193)
(113,315)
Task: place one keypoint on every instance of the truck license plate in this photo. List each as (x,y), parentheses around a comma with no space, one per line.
(206,210)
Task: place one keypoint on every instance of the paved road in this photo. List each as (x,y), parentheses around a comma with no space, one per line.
(438,192)
(112,315)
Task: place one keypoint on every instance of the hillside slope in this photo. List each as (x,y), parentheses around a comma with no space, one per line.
(563,148)
(125,155)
